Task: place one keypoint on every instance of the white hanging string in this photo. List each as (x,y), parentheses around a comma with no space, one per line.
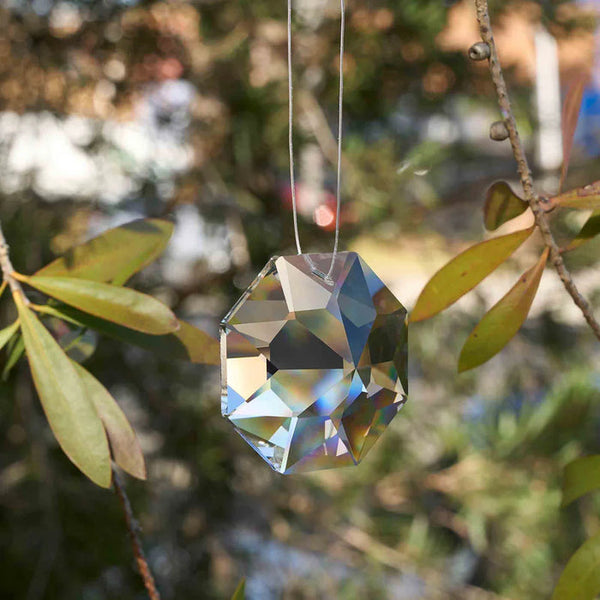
(291,125)
(338,193)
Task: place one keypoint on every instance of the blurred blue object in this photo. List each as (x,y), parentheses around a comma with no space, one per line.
(588,130)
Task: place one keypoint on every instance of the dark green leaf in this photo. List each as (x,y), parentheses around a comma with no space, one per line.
(117,304)
(584,198)
(123,441)
(240,592)
(501,205)
(500,324)
(569,119)
(7,333)
(79,344)
(581,476)
(581,578)
(187,343)
(16,349)
(590,229)
(114,256)
(464,272)
(70,412)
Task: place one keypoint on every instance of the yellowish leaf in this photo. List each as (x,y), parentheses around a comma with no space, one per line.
(123,441)
(115,255)
(7,333)
(590,229)
(120,305)
(501,205)
(584,198)
(16,349)
(187,343)
(581,476)
(503,320)
(464,272)
(240,592)
(70,412)
(581,578)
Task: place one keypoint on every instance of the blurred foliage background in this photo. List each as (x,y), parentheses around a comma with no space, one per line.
(119,109)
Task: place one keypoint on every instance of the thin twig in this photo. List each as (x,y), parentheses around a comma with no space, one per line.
(8,270)
(11,278)
(133,528)
(485,28)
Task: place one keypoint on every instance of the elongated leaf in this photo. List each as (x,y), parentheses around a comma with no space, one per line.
(7,333)
(187,343)
(464,272)
(581,476)
(16,349)
(590,230)
(71,414)
(240,592)
(569,119)
(503,320)
(115,255)
(501,205)
(123,441)
(581,578)
(584,198)
(120,305)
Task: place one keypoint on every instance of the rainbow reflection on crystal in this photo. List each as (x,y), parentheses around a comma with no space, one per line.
(314,369)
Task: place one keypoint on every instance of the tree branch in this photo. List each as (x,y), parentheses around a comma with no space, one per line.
(8,275)
(485,28)
(133,528)
(7,268)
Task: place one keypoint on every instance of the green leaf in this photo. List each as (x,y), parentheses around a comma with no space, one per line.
(70,412)
(7,333)
(117,304)
(581,476)
(569,119)
(464,272)
(114,256)
(123,441)
(187,343)
(501,205)
(590,229)
(16,349)
(581,578)
(240,592)
(583,198)
(500,324)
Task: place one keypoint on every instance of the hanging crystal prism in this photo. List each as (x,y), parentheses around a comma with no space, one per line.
(314,368)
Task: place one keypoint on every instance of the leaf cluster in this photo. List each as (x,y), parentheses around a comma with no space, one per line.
(502,322)
(84,290)
(580,579)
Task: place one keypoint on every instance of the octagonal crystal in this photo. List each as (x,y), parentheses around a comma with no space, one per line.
(313,367)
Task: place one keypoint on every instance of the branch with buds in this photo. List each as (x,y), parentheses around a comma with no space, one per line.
(507,128)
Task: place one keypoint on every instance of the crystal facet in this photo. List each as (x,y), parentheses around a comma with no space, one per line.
(314,368)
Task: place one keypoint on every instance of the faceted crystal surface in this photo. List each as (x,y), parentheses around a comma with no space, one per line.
(314,369)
